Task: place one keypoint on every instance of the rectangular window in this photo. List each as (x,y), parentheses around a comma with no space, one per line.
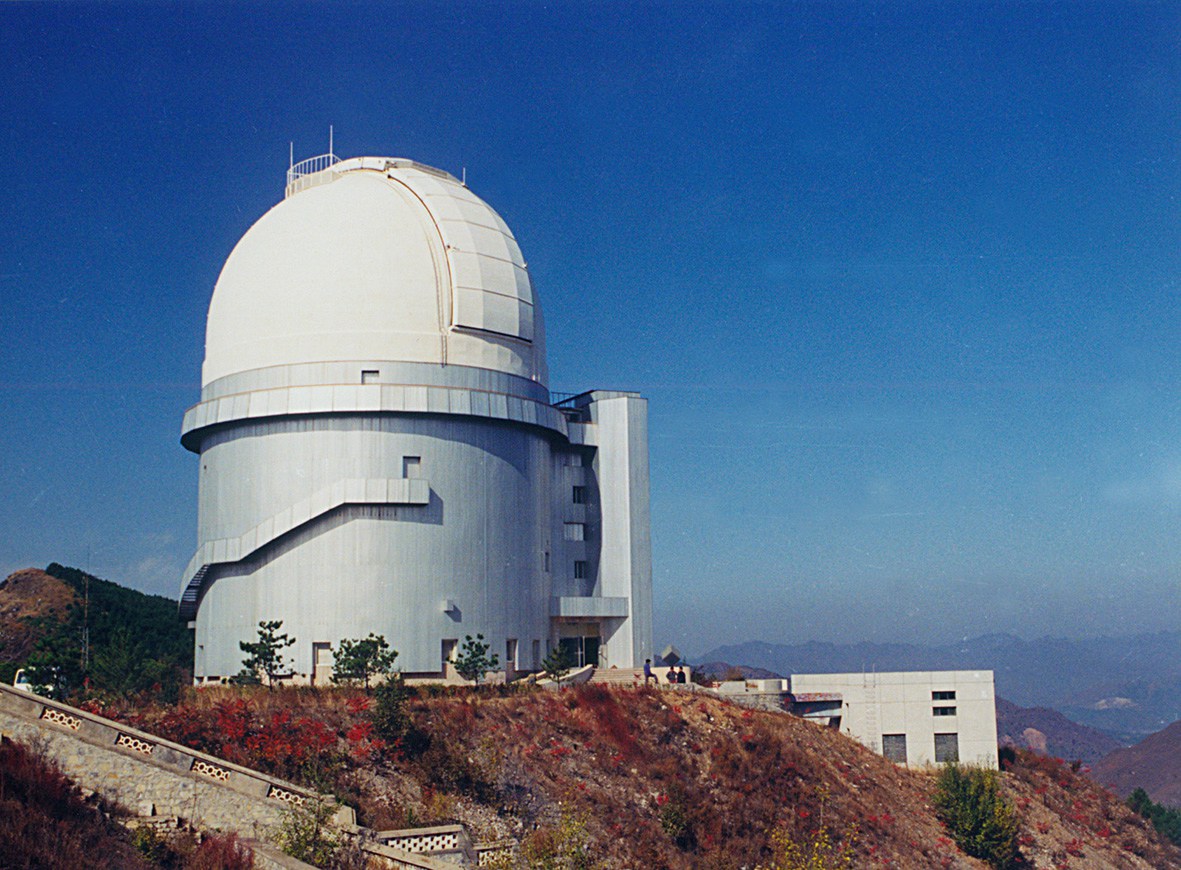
(370,376)
(574,460)
(943,696)
(411,467)
(574,531)
(580,569)
(536,654)
(579,495)
(943,711)
(894,747)
(510,653)
(546,561)
(947,748)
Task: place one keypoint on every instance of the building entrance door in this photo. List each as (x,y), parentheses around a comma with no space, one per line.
(321,664)
(581,650)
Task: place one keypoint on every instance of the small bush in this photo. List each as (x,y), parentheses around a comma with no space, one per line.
(392,723)
(305,833)
(676,824)
(221,852)
(1167,820)
(982,823)
(817,852)
(565,846)
(557,664)
(150,844)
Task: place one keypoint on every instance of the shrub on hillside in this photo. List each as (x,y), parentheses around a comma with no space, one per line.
(221,852)
(982,823)
(1165,819)
(44,822)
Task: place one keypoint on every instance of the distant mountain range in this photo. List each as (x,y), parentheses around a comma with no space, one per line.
(1126,686)
(1050,733)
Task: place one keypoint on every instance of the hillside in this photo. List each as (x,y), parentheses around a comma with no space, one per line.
(30,602)
(1127,686)
(1050,733)
(1153,764)
(136,641)
(44,822)
(638,778)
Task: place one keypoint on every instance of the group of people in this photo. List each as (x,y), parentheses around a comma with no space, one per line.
(675,675)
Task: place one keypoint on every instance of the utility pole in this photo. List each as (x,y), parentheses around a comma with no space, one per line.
(86,614)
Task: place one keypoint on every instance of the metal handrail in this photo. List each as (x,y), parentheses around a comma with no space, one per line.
(306,168)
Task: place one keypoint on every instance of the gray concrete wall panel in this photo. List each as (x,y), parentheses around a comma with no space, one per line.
(368,566)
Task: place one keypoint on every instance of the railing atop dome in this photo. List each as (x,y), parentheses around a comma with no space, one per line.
(310,172)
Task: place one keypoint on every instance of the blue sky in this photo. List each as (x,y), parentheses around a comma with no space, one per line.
(900,280)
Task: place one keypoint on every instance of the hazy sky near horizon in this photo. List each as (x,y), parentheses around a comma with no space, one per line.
(899,280)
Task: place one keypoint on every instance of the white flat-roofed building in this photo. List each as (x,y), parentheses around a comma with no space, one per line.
(911,717)
(379,450)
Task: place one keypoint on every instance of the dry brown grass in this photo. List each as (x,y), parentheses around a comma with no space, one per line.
(660,779)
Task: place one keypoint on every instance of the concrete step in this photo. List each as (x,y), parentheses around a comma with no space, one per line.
(618,676)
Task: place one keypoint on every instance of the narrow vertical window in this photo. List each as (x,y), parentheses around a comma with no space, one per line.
(580,569)
(411,467)
(578,496)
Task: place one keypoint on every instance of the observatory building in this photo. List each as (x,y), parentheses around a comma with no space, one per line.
(379,450)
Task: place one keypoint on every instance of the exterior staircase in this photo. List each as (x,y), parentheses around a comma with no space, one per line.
(632,676)
(170,784)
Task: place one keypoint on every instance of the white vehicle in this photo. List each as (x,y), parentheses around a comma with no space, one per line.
(22,682)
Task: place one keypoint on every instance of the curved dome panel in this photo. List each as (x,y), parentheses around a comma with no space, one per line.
(376,259)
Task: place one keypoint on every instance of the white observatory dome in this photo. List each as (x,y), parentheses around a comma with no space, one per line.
(375,259)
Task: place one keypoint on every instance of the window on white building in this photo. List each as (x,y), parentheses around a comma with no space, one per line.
(943,696)
(943,711)
(947,748)
(894,747)
(574,531)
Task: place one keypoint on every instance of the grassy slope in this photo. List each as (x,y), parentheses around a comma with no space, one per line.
(44,822)
(654,779)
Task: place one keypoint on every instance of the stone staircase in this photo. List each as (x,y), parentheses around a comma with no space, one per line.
(618,676)
(170,784)
(633,677)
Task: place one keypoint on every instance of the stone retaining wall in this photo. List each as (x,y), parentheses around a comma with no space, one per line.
(151,776)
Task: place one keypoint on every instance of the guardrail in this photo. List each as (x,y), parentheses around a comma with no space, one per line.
(301,175)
